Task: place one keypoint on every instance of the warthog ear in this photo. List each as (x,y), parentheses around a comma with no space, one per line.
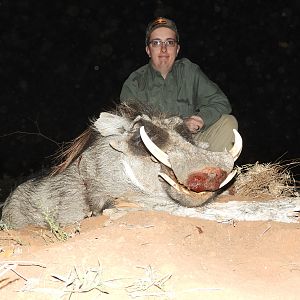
(109,124)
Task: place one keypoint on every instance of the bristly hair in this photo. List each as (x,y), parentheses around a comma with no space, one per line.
(132,109)
(73,150)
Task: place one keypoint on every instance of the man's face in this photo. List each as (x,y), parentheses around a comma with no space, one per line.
(162,56)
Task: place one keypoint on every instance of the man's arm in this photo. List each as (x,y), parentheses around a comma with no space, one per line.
(129,90)
(210,102)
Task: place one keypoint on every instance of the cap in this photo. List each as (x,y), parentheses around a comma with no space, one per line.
(160,22)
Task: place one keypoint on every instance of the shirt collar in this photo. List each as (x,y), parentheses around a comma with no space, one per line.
(155,73)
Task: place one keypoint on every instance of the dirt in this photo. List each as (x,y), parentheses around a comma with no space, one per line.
(153,255)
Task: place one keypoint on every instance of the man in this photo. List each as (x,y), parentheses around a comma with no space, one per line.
(179,87)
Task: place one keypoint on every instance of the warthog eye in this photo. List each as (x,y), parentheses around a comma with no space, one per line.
(158,135)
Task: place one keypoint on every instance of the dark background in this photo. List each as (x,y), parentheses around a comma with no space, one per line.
(63,62)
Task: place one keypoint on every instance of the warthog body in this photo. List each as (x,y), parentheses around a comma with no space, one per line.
(109,162)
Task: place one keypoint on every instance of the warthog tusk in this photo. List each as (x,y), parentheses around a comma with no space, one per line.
(176,186)
(236,150)
(228,178)
(154,150)
(170,181)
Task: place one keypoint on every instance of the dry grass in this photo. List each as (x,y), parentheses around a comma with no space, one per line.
(55,228)
(3,226)
(151,285)
(267,179)
(92,282)
(83,281)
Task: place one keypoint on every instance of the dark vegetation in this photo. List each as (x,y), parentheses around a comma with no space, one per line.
(63,62)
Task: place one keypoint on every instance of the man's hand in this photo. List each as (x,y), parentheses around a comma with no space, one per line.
(194,123)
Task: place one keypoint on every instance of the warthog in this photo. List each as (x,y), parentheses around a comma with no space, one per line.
(132,153)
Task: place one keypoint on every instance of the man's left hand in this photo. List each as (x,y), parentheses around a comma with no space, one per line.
(194,123)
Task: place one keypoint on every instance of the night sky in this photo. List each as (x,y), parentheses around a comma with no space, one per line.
(63,62)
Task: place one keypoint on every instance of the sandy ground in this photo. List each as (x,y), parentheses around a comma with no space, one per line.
(153,255)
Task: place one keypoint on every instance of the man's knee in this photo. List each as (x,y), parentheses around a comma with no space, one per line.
(220,135)
(228,121)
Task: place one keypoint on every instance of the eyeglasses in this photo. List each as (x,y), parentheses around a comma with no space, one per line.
(158,43)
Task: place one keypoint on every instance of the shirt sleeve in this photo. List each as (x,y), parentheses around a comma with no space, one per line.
(129,90)
(210,102)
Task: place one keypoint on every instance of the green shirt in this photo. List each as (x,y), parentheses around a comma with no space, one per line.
(186,91)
